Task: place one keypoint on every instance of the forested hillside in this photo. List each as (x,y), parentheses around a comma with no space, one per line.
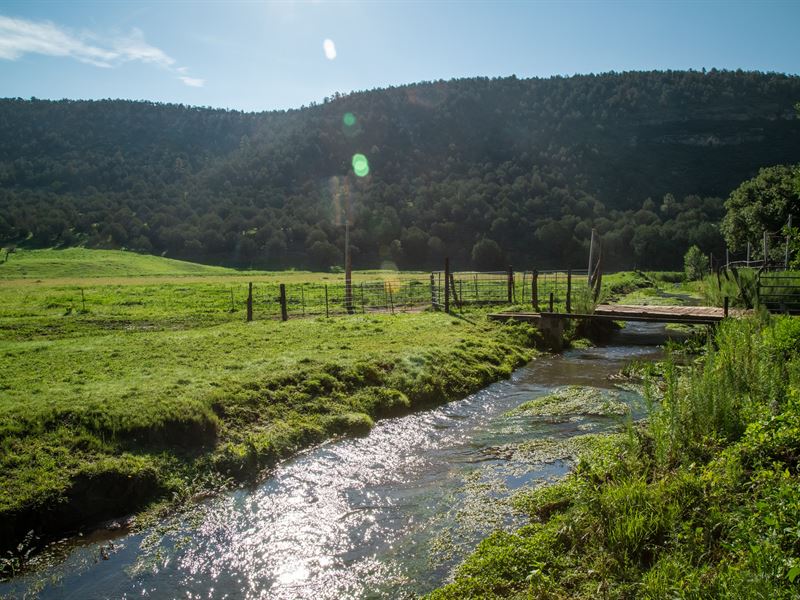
(483,170)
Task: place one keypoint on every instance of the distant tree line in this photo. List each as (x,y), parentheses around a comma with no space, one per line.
(486,171)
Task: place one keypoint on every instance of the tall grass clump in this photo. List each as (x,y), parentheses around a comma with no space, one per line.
(710,405)
(738,285)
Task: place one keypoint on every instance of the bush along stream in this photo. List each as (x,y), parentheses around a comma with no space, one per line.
(701,500)
(390,514)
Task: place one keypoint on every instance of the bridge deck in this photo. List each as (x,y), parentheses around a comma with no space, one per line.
(697,315)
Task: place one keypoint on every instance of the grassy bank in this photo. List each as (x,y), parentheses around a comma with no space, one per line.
(101,416)
(702,501)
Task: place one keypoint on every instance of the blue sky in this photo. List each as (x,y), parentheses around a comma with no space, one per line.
(263,56)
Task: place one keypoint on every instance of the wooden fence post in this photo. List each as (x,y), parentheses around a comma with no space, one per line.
(391,299)
(327,313)
(725,308)
(284,312)
(535,290)
(249,301)
(447,285)
(363,306)
(569,290)
(551,301)
(433,292)
(456,300)
(510,284)
(477,294)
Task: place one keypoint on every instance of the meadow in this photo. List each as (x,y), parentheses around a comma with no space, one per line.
(150,392)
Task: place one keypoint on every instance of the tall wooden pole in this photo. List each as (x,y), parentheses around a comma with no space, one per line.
(348,265)
(569,290)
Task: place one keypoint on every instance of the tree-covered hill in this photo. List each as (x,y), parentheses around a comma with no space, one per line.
(484,170)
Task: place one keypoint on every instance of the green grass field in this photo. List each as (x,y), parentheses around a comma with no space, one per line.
(155,389)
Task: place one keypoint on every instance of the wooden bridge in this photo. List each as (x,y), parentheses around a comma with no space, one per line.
(691,315)
(551,324)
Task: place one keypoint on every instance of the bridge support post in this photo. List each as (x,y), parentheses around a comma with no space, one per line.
(552,330)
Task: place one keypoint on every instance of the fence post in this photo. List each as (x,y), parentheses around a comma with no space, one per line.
(249,301)
(433,292)
(551,301)
(456,301)
(284,312)
(510,284)
(477,296)
(535,290)
(569,290)
(788,235)
(447,285)
(327,314)
(391,299)
(363,309)
(725,309)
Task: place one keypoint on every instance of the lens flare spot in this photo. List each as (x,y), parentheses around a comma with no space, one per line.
(349,119)
(329,48)
(360,165)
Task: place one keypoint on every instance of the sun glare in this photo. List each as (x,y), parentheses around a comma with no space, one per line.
(360,165)
(329,48)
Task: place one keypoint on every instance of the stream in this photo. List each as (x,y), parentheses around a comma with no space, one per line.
(389,515)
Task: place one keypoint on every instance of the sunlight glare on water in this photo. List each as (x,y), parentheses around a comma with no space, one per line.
(388,515)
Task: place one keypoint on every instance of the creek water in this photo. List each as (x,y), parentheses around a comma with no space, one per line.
(389,515)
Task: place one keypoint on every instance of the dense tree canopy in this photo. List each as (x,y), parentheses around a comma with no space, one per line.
(529,165)
(760,204)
